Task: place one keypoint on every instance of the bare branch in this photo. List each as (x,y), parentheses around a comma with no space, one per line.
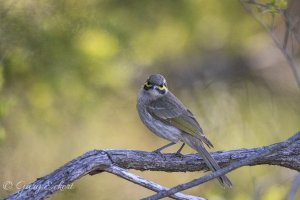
(294,188)
(223,171)
(287,32)
(97,161)
(148,184)
(282,47)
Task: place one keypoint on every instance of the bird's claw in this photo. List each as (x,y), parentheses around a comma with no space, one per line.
(157,152)
(178,154)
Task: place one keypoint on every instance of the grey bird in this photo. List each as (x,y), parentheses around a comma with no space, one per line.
(168,118)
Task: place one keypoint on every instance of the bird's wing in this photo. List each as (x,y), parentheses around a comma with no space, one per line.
(172,111)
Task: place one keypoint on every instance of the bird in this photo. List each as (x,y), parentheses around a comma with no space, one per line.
(164,114)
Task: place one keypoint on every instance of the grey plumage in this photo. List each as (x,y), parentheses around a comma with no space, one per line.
(168,118)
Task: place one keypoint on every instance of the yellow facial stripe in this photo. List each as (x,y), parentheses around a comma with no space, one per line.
(147,84)
(162,87)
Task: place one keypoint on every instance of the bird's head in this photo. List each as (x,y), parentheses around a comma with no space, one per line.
(155,86)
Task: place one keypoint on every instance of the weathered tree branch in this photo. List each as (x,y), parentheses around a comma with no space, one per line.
(148,184)
(252,159)
(97,161)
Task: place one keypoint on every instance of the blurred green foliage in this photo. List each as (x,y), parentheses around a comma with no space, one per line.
(70,72)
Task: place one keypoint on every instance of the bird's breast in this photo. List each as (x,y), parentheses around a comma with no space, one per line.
(158,127)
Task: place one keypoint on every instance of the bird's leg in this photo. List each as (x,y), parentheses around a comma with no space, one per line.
(163,147)
(179,150)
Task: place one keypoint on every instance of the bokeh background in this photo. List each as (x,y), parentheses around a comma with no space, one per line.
(71,70)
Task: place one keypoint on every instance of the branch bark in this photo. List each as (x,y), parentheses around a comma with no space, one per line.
(97,161)
(148,184)
(268,151)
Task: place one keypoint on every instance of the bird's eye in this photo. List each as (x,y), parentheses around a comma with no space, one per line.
(147,84)
(161,87)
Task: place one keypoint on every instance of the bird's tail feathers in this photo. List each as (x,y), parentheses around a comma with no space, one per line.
(208,159)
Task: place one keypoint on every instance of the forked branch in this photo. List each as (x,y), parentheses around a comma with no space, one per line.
(285,154)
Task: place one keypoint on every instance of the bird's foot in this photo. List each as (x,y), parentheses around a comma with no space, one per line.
(157,151)
(178,154)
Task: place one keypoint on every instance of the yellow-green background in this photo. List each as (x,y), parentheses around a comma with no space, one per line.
(71,70)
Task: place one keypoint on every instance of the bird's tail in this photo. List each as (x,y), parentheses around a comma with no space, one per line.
(196,144)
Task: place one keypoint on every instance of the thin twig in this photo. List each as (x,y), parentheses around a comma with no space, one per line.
(289,58)
(292,26)
(225,170)
(261,6)
(294,188)
(148,184)
(287,31)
